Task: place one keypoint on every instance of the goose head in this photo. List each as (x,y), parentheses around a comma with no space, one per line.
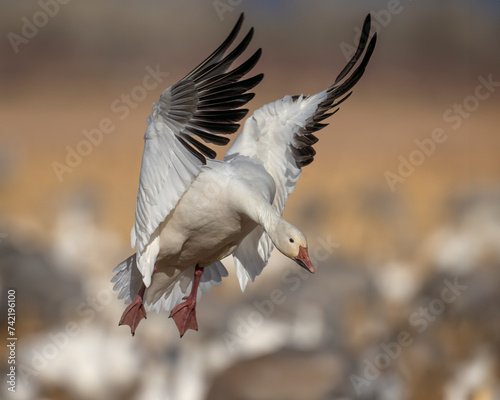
(291,242)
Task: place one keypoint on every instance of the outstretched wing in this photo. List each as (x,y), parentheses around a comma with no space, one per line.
(203,105)
(280,136)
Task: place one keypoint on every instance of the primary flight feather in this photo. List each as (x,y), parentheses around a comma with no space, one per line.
(193,210)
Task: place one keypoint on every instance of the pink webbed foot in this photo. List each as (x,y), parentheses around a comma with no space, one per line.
(184,316)
(135,312)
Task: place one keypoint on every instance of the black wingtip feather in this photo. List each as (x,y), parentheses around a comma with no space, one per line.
(231,89)
(198,155)
(222,66)
(221,116)
(229,103)
(219,52)
(233,76)
(336,94)
(302,164)
(208,137)
(205,103)
(361,46)
(205,150)
(220,128)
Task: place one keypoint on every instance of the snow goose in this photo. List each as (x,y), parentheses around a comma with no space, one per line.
(193,210)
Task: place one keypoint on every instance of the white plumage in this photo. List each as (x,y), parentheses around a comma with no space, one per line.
(193,210)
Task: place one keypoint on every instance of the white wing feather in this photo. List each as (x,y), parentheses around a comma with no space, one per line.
(127,279)
(167,171)
(204,104)
(280,136)
(267,136)
(251,256)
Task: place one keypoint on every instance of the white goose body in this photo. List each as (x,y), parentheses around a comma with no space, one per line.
(192,210)
(214,214)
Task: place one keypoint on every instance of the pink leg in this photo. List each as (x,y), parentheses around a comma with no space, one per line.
(184,314)
(135,312)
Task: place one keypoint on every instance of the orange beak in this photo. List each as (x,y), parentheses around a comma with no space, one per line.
(303,259)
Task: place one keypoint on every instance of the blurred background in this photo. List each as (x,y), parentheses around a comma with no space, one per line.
(401,207)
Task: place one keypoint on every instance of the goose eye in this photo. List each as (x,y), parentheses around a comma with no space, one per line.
(291,240)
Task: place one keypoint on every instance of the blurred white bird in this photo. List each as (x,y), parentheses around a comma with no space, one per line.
(193,210)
